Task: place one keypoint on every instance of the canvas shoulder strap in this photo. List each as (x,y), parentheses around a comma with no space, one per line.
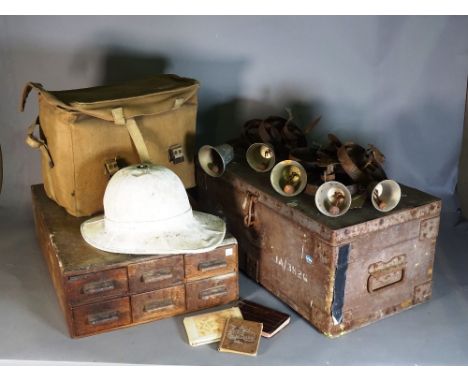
(31,140)
(135,133)
(49,96)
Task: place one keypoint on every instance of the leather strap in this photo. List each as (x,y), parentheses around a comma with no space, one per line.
(348,164)
(135,133)
(38,143)
(39,88)
(282,133)
(26,90)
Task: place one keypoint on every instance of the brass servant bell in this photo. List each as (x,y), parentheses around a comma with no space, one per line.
(260,157)
(385,195)
(288,178)
(333,199)
(214,159)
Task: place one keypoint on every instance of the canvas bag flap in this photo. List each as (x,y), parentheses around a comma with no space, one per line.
(153,95)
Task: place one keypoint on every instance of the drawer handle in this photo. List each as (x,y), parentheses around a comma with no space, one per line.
(210,265)
(158,305)
(152,277)
(103,318)
(213,292)
(98,287)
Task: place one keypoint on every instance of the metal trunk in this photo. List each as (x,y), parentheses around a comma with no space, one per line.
(338,273)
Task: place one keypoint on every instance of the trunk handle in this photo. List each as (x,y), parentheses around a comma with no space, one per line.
(249,202)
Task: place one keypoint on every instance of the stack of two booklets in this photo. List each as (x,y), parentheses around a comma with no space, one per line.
(238,329)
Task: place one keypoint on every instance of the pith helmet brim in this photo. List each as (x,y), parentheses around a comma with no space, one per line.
(202,234)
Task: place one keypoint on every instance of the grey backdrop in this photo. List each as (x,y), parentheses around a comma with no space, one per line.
(397,82)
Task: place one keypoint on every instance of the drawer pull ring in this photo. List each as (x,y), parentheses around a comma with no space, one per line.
(213,292)
(103,318)
(152,277)
(158,305)
(210,265)
(98,287)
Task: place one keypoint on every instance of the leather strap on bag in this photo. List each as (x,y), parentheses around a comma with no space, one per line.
(35,143)
(135,133)
(26,90)
(31,140)
(38,143)
(39,88)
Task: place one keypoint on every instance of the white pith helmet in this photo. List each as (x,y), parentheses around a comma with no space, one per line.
(147,212)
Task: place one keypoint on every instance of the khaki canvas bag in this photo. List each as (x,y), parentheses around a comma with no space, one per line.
(86,135)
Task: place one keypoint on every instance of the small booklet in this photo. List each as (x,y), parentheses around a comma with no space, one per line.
(273,321)
(208,327)
(241,337)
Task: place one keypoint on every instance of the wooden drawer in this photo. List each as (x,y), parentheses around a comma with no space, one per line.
(92,318)
(217,262)
(156,274)
(213,291)
(158,304)
(92,287)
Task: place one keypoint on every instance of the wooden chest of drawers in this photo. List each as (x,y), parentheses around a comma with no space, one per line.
(100,291)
